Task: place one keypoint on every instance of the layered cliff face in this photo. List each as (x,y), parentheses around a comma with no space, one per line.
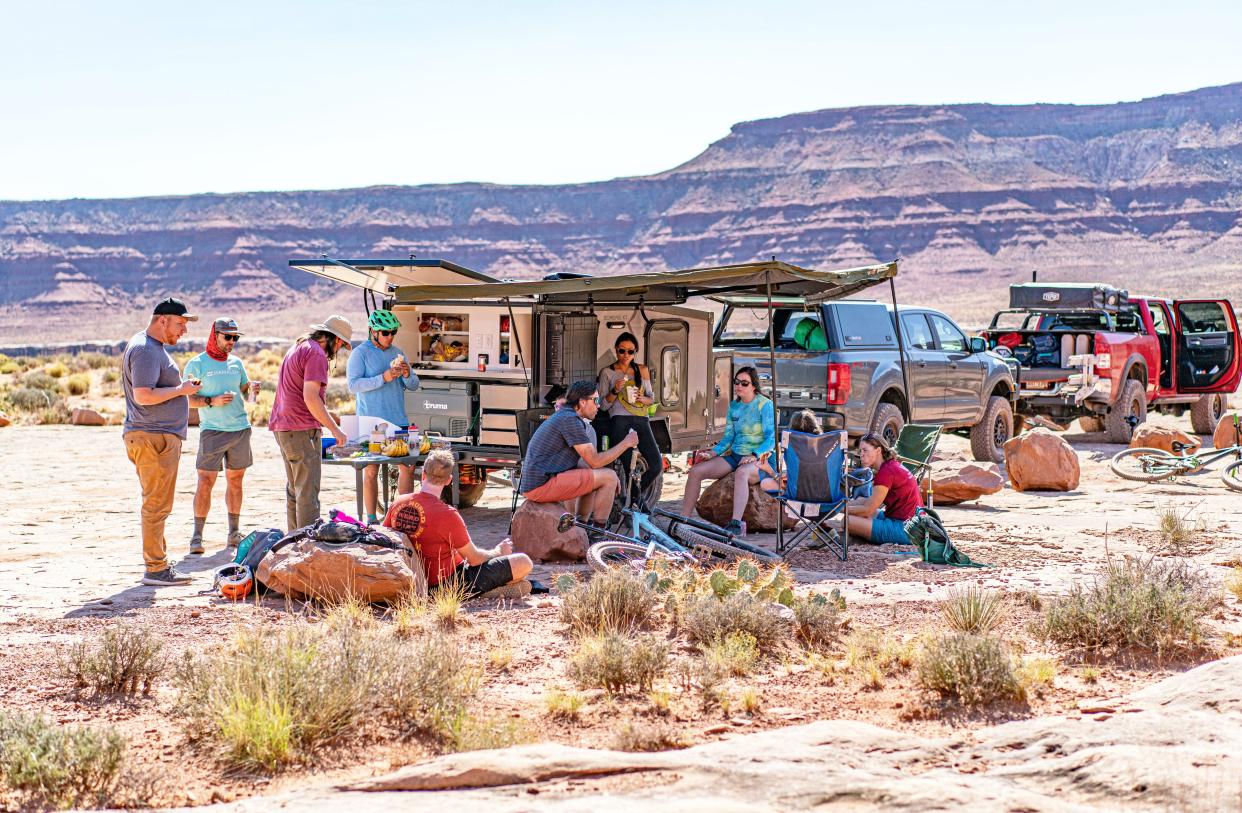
(1144,194)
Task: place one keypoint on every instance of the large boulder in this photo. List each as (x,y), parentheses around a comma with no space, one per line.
(312,569)
(1154,436)
(1038,460)
(87,417)
(1224,436)
(534,533)
(954,483)
(4,419)
(716,505)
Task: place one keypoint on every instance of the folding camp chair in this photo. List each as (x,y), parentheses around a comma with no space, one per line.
(817,486)
(915,446)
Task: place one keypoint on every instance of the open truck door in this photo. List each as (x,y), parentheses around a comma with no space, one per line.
(1208,357)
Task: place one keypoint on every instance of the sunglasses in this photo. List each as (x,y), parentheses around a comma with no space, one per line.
(227,337)
(386,333)
(742,382)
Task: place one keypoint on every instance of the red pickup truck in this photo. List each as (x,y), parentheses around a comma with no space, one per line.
(1095,353)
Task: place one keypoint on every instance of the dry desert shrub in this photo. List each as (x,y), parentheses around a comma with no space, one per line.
(816,624)
(616,601)
(563,705)
(53,766)
(974,669)
(272,696)
(78,384)
(619,664)
(872,656)
(974,610)
(635,735)
(40,380)
(1234,583)
(1175,531)
(705,618)
(127,659)
(1140,604)
(734,654)
(57,369)
(31,399)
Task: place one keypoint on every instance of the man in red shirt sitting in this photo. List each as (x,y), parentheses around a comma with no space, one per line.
(440,536)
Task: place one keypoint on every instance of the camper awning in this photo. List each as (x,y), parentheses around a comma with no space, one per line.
(385,276)
(787,282)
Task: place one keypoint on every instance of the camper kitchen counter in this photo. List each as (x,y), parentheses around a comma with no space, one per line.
(496,457)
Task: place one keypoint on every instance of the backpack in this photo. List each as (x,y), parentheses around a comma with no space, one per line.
(927,533)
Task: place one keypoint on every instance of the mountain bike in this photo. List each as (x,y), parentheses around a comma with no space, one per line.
(687,541)
(1154,465)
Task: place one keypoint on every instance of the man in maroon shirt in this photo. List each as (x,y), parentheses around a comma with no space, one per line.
(299,415)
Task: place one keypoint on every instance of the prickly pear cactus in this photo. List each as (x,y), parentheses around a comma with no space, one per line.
(723,584)
(786,597)
(566,582)
(747,571)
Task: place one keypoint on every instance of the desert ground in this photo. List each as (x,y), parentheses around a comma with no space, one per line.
(70,564)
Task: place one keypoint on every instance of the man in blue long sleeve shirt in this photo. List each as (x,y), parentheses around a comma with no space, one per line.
(379,376)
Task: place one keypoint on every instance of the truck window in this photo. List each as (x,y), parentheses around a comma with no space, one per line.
(1203,317)
(1086,320)
(918,335)
(744,326)
(1128,320)
(864,324)
(670,386)
(788,335)
(951,339)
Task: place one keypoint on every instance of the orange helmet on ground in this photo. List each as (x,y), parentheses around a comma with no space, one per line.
(234,582)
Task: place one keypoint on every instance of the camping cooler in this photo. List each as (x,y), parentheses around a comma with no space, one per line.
(444,407)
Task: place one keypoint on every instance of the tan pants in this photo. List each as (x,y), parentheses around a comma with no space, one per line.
(301,451)
(156,456)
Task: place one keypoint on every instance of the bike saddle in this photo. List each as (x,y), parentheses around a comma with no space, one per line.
(1179,447)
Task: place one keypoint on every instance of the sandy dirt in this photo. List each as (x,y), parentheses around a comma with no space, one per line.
(70,561)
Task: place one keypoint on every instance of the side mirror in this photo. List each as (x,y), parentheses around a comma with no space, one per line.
(978,344)
(565,523)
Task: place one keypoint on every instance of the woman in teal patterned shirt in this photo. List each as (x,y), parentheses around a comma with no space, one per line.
(749,437)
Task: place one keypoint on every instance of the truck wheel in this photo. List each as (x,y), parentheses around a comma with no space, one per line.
(1206,413)
(1091,423)
(987,438)
(887,422)
(1130,407)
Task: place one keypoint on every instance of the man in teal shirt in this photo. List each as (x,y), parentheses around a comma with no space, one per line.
(224,427)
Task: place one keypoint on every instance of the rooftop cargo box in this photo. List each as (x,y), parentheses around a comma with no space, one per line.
(1067,296)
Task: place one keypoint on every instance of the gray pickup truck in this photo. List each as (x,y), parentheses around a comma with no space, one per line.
(845,367)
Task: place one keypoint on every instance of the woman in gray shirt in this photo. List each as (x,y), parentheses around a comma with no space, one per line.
(625,387)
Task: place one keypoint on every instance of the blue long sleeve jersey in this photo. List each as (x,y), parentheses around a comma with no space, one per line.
(377,398)
(751,428)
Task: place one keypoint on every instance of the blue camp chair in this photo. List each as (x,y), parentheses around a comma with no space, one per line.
(817,485)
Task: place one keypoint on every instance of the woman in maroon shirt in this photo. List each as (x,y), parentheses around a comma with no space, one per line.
(894,498)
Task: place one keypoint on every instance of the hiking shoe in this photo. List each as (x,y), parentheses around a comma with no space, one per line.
(196,545)
(736,528)
(235,538)
(518,589)
(165,578)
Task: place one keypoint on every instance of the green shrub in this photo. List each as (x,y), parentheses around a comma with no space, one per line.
(78,384)
(60,766)
(615,601)
(871,656)
(127,659)
(272,696)
(31,399)
(111,376)
(564,705)
(1138,604)
(57,369)
(58,412)
(8,366)
(815,623)
(975,669)
(974,610)
(96,361)
(734,654)
(617,663)
(706,618)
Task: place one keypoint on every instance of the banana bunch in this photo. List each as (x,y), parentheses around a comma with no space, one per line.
(396,448)
(425,446)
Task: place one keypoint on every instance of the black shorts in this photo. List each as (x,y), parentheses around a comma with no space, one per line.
(480,579)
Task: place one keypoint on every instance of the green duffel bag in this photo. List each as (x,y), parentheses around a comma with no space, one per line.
(927,533)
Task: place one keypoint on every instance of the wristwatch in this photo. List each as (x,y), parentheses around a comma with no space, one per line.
(207,400)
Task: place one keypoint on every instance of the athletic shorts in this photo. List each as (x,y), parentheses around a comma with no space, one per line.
(480,579)
(564,486)
(230,448)
(733,459)
(885,531)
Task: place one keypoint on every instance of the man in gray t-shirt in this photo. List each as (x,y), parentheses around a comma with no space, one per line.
(157,411)
(562,464)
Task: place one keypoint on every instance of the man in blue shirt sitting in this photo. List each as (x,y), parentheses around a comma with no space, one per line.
(379,376)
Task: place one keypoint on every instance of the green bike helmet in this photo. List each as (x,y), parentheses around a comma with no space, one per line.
(383,320)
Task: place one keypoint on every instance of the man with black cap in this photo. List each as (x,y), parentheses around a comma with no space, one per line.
(224,427)
(300,414)
(157,411)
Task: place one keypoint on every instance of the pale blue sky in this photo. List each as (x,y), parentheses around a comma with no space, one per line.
(121,99)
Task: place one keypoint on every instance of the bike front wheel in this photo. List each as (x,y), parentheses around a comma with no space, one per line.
(609,555)
(1232,475)
(1147,465)
(692,539)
